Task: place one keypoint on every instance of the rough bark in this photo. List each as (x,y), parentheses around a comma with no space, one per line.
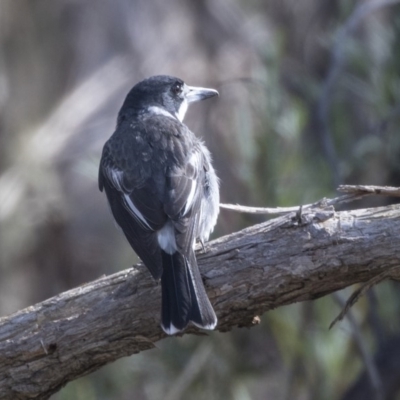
(285,260)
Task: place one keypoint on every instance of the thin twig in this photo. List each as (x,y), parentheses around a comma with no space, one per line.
(370,366)
(324,203)
(353,192)
(358,293)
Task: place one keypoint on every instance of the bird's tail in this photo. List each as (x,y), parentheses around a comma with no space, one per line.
(184,298)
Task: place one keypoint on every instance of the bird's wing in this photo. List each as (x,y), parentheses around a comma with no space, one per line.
(138,195)
(149,185)
(184,189)
(136,206)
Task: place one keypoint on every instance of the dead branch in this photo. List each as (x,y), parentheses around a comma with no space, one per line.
(296,257)
(360,190)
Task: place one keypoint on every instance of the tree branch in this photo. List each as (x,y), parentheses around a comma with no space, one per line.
(296,257)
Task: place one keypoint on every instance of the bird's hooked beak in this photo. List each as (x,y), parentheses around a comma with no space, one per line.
(193,93)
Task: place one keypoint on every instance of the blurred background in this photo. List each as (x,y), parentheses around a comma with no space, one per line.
(309,99)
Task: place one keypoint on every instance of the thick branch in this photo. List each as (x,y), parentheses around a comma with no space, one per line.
(288,259)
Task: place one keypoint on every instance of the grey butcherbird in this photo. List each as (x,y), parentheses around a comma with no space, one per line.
(163,193)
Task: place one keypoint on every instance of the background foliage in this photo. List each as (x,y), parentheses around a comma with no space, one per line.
(309,98)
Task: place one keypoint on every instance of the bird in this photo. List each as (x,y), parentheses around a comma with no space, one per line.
(164,193)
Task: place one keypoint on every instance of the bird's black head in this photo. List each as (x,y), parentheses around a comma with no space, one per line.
(163,94)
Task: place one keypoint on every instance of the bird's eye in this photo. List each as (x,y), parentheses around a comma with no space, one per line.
(177,88)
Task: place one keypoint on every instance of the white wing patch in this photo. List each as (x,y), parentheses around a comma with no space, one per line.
(135,212)
(190,198)
(194,160)
(116,178)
